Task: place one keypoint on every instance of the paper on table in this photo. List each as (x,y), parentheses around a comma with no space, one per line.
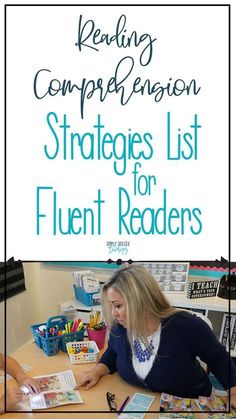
(138,403)
(57,390)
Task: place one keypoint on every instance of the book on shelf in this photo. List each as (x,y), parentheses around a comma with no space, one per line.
(56,390)
(225,329)
(233,333)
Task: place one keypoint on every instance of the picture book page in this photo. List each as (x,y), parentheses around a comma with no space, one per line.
(57,390)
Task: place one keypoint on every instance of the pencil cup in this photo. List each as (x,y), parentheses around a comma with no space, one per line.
(98,336)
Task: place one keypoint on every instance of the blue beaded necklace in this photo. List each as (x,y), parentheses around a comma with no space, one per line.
(142,355)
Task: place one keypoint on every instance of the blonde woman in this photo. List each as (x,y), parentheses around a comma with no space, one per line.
(154,345)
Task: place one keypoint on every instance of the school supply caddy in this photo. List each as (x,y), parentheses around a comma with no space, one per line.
(53,335)
(87,288)
(56,390)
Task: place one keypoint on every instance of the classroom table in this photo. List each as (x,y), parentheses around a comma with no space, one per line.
(95,403)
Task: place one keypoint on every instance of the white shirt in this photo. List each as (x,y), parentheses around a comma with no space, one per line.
(142,368)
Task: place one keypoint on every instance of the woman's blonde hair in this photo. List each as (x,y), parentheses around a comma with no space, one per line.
(142,296)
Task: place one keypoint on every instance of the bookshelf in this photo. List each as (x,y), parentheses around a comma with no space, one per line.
(206,303)
(213,307)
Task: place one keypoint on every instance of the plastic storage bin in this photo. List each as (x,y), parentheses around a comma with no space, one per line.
(51,345)
(71,337)
(87,298)
(82,358)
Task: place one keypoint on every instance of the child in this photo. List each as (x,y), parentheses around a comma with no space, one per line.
(14,395)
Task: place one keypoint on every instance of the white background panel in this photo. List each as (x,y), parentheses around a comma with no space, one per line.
(192,43)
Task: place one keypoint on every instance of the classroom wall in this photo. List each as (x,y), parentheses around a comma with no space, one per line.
(45,288)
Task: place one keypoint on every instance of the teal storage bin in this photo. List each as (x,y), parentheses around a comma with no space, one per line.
(71,337)
(37,337)
(51,345)
(87,298)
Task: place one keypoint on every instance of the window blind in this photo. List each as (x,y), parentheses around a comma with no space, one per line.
(12,279)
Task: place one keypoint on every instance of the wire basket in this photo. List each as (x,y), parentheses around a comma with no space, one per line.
(82,357)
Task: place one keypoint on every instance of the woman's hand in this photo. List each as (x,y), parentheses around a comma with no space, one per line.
(30,383)
(89,378)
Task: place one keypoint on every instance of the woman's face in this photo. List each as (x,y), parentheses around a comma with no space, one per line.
(118,306)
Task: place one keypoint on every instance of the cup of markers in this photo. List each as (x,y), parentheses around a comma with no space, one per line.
(96,329)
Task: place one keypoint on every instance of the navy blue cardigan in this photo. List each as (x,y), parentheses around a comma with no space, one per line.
(175,369)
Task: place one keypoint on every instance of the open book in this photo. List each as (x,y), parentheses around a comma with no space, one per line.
(213,404)
(173,407)
(56,390)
